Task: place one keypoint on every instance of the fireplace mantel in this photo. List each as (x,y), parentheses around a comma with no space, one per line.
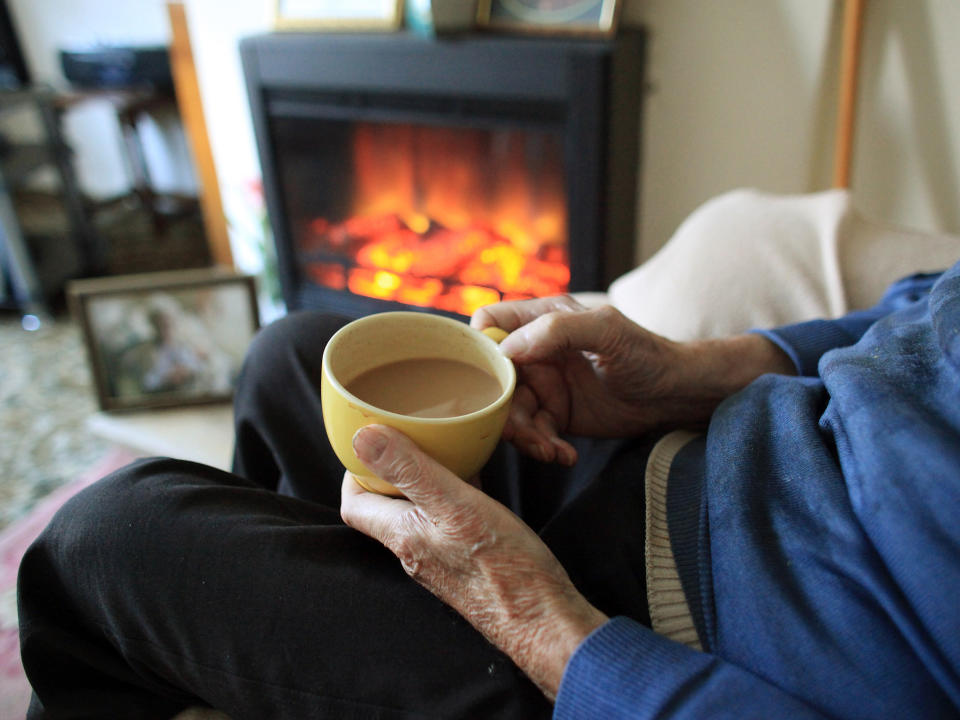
(476,66)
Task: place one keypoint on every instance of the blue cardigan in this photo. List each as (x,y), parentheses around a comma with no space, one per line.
(816,530)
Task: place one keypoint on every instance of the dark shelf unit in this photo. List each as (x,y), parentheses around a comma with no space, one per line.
(29,275)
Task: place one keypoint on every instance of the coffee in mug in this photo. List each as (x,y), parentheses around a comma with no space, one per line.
(437,380)
(427,387)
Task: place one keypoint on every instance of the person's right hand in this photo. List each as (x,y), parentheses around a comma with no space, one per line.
(594,372)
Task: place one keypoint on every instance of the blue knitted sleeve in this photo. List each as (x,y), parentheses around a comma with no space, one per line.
(625,670)
(806,342)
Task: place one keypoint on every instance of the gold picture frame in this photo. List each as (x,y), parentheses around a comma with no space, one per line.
(578,17)
(337,15)
(165,339)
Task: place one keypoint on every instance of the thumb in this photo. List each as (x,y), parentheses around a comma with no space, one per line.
(393,457)
(549,335)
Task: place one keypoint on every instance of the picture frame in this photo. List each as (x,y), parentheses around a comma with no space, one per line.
(337,15)
(167,339)
(596,18)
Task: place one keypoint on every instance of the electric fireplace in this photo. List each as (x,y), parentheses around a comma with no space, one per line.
(444,175)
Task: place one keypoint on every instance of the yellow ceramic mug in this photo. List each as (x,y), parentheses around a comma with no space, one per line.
(462,443)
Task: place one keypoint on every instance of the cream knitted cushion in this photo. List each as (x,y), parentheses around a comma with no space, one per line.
(751,259)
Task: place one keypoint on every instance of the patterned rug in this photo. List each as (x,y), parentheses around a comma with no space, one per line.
(46,456)
(45,398)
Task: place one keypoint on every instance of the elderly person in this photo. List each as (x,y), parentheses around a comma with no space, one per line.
(797,557)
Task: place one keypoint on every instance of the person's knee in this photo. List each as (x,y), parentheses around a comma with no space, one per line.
(78,583)
(293,339)
(100,525)
(130,490)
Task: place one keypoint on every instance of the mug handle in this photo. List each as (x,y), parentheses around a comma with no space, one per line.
(496,334)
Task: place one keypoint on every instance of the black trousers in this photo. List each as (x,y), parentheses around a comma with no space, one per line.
(169,584)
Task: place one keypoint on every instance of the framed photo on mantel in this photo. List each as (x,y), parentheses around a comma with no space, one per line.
(566,17)
(346,15)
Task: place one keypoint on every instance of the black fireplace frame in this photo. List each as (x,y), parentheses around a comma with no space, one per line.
(590,88)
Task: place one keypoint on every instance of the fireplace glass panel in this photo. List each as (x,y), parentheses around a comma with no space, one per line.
(451,218)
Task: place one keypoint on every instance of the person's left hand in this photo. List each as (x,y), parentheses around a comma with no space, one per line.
(472,553)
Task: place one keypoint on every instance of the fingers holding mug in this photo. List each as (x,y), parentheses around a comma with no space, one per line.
(512,314)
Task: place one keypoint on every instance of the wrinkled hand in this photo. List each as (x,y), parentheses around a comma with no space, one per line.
(585,372)
(594,372)
(472,553)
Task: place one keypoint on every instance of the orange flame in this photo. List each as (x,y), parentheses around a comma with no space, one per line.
(449,218)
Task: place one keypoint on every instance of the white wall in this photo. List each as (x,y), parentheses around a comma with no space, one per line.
(743,93)
(46,26)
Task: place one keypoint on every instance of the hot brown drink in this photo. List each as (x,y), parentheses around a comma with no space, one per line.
(427,387)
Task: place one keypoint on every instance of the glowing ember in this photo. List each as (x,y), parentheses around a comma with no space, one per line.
(433,227)
(449,270)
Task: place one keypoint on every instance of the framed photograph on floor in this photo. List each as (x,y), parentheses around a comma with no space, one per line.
(561,17)
(165,339)
(338,15)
